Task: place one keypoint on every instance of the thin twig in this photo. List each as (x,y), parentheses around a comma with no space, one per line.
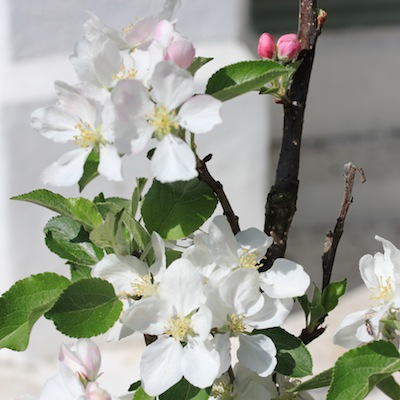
(333,238)
(218,189)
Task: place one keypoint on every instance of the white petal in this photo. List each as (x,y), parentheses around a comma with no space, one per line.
(257,353)
(273,313)
(173,161)
(82,61)
(182,286)
(142,32)
(253,238)
(158,268)
(200,114)
(368,273)
(223,346)
(67,170)
(285,279)
(171,85)
(223,244)
(345,336)
(110,164)
(120,271)
(161,366)
(254,391)
(200,364)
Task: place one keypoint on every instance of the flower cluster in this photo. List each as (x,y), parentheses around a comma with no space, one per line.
(381,275)
(203,300)
(134,86)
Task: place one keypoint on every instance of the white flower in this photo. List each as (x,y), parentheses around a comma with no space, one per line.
(179,318)
(165,116)
(85,122)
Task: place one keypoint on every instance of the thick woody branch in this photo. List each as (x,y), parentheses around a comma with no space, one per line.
(282,199)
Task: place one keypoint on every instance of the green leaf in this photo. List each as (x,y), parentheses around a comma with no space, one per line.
(111,205)
(331,294)
(79,209)
(183,390)
(359,370)
(140,394)
(293,357)
(137,195)
(317,310)
(318,381)
(111,235)
(89,307)
(175,210)
(79,272)
(90,169)
(24,303)
(305,305)
(246,76)
(390,387)
(66,238)
(198,63)
(134,386)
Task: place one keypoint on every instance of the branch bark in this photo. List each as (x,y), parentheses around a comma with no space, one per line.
(281,202)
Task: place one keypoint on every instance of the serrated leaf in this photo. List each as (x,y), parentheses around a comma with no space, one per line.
(198,63)
(88,307)
(67,238)
(246,76)
(24,303)
(293,358)
(79,209)
(175,210)
(89,169)
(331,294)
(357,372)
(183,390)
(318,381)
(112,205)
(390,387)
(79,272)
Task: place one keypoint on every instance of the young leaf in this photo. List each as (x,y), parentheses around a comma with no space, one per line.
(137,195)
(183,390)
(79,209)
(89,169)
(246,76)
(175,210)
(331,294)
(293,357)
(318,381)
(317,310)
(140,394)
(359,370)
(24,303)
(198,63)
(88,307)
(66,238)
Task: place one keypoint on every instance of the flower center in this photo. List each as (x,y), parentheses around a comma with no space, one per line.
(235,324)
(180,328)
(144,287)
(248,259)
(222,391)
(88,136)
(125,73)
(128,27)
(383,291)
(163,121)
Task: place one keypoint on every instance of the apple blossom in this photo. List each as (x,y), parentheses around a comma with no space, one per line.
(288,47)
(266,46)
(165,115)
(86,122)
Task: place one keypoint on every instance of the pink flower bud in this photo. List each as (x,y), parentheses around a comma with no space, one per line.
(288,47)
(266,46)
(83,358)
(94,392)
(181,52)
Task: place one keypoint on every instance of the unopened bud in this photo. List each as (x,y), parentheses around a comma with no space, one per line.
(94,392)
(288,47)
(266,46)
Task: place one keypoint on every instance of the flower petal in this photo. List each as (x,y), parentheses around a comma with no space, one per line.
(173,161)
(200,114)
(110,164)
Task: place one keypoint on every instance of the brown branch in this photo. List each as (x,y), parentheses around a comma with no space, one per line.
(332,241)
(282,199)
(333,238)
(218,189)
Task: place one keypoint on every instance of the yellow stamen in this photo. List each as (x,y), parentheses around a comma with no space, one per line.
(125,73)
(384,290)
(164,122)
(248,259)
(235,324)
(144,287)
(88,136)
(180,328)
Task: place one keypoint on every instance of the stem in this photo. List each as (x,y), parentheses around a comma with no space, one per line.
(218,189)
(282,199)
(333,238)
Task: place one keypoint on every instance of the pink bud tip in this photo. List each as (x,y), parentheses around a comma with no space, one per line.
(266,46)
(288,47)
